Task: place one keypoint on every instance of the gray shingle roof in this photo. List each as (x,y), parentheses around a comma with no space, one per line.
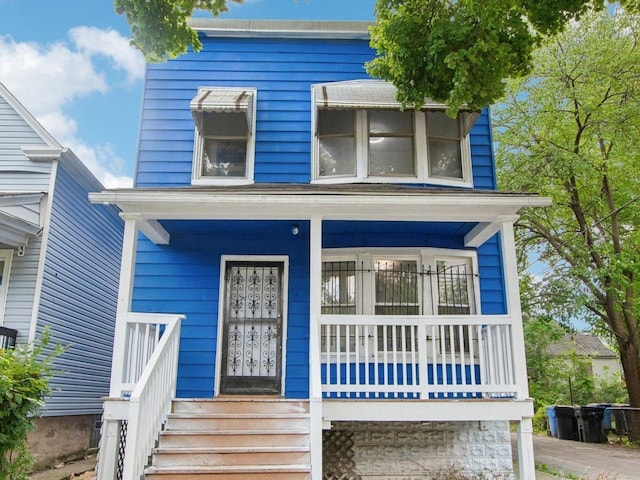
(584,344)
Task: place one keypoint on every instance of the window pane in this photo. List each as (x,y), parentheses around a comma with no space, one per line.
(445,159)
(339,288)
(225,124)
(396,284)
(224,158)
(337,156)
(390,121)
(391,156)
(336,122)
(454,280)
(441,125)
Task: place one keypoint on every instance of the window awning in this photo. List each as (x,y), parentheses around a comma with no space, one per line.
(222,100)
(373,94)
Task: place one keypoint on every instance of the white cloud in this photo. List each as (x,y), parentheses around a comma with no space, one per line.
(47,79)
(93,41)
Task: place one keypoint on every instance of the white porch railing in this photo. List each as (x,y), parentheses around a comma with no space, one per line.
(419,357)
(148,385)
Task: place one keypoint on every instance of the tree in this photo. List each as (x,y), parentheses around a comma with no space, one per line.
(453,51)
(569,131)
(159,28)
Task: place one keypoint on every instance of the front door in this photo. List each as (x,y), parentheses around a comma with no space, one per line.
(252,328)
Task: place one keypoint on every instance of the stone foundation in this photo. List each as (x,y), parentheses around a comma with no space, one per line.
(417,451)
(57,439)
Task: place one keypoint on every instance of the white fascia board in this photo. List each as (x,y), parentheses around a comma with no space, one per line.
(170,205)
(213,27)
(423,411)
(19,199)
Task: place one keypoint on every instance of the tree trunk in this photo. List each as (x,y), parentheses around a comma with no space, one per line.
(630,360)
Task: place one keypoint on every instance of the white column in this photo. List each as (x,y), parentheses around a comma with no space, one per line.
(315,384)
(514,309)
(526,461)
(127,267)
(116,409)
(525,428)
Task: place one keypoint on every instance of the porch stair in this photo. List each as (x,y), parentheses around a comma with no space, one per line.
(239,438)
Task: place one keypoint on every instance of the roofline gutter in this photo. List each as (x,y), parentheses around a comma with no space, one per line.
(304,29)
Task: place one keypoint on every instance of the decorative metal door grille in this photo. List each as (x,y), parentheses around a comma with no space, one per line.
(252,328)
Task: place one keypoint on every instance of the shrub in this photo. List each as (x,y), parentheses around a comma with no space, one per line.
(24,384)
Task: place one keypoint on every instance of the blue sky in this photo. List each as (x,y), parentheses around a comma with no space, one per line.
(70,65)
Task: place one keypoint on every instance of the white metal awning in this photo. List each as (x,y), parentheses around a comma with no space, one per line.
(373,94)
(226,100)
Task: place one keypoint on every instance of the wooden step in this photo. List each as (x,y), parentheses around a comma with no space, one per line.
(203,456)
(221,438)
(242,405)
(240,422)
(242,472)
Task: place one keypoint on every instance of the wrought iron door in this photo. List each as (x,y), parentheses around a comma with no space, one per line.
(252,330)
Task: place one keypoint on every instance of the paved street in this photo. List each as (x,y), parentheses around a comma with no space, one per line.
(587,459)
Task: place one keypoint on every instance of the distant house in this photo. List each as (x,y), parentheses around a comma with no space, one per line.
(604,361)
(317,283)
(59,264)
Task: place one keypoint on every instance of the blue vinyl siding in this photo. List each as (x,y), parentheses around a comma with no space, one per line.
(79,293)
(184,277)
(283,71)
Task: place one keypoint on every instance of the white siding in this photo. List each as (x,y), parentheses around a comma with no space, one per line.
(22,284)
(17,172)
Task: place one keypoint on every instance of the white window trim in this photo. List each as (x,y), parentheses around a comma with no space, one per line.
(198,146)
(426,258)
(7,257)
(221,301)
(420,145)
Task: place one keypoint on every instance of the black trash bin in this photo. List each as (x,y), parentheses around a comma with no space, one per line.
(589,420)
(622,418)
(567,423)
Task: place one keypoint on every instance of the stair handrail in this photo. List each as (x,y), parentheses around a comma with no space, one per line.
(150,400)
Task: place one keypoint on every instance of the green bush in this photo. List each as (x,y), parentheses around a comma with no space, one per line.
(24,384)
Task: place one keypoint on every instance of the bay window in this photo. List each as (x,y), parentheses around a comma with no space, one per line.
(362,134)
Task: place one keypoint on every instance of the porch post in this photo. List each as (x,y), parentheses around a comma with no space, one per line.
(526,461)
(127,267)
(315,383)
(525,427)
(115,408)
(514,309)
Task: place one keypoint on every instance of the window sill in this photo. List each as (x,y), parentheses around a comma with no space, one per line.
(396,180)
(221,181)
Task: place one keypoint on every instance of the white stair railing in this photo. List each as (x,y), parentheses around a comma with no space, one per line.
(149,376)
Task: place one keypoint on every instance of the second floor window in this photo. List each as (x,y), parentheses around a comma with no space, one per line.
(362,134)
(224,139)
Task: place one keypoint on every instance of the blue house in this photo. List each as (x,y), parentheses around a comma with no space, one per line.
(59,267)
(316,283)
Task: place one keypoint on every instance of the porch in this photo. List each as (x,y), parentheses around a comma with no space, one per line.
(362,366)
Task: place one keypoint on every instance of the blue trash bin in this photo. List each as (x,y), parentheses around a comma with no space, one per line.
(552,421)
(606,418)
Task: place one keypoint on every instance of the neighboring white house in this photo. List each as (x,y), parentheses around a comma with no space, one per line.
(604,361)
(59,264)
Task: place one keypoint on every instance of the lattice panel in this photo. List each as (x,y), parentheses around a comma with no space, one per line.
(122,444)
(338,456)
